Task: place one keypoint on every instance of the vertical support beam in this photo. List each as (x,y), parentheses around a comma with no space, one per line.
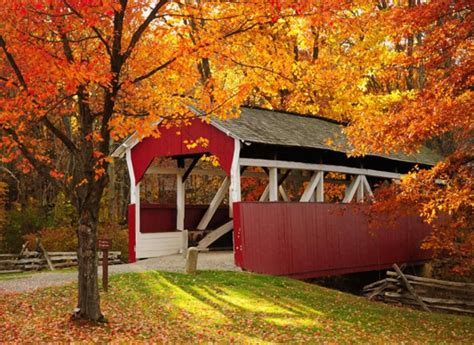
(134,199)
(266,192)
(360,189)
(137,213)
(180,202)
(273,184)
(231,202)
(234,191)
(131,174)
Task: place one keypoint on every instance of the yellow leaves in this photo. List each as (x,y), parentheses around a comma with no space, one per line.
(199,142)
(214,160)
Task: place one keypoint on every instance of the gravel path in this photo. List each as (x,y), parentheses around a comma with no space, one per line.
(223,261)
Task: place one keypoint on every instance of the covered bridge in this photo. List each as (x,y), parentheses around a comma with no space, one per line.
(302,234)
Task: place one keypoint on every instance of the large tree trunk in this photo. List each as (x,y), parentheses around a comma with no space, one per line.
(89,301)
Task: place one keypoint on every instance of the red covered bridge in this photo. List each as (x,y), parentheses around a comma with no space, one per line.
(295,228)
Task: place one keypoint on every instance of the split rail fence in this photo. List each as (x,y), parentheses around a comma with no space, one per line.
(37,260)
(425,293)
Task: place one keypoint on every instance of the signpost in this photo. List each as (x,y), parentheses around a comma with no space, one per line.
(104,245)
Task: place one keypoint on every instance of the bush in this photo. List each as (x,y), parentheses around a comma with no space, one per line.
(21,222)
(64,239)
(119,237)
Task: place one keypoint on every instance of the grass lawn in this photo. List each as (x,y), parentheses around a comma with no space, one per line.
(18,275)
(223,307)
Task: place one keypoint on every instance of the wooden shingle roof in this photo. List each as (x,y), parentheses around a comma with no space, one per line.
(286,129)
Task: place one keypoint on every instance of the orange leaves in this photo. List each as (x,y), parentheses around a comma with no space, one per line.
(443,197)
(56,174)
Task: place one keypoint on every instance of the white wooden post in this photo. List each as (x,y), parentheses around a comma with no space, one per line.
(134,196)
(234,191)
(273,184)
(180,202)
(131,174)
(360,190)
(137,213)
(231,206)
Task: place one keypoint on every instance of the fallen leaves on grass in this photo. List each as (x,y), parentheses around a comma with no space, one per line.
(221,306)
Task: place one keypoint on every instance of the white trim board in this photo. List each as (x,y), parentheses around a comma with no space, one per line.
(250,162)
(196,171)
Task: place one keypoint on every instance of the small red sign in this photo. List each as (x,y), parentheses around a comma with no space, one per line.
(104,244)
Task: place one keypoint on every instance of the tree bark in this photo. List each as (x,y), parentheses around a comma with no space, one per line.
(88,288)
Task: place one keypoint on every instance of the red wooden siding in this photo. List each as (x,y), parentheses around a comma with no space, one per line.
(171,143)
(309,240)
(162,218)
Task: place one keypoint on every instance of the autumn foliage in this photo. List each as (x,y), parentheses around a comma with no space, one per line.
(78,75)
(401,74)
(424,95)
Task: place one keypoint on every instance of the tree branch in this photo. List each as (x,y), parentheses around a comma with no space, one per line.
(241,29)
(142,28)
(243,64)
(155,70)
(39,166)
(12,63)
(67,48)
(95,29)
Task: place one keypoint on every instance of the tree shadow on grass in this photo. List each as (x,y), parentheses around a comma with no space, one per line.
(212,303)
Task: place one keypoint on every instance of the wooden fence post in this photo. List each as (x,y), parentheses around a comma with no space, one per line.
(45,254)
(410,288)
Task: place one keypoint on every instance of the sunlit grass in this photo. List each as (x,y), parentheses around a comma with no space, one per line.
(224,307)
